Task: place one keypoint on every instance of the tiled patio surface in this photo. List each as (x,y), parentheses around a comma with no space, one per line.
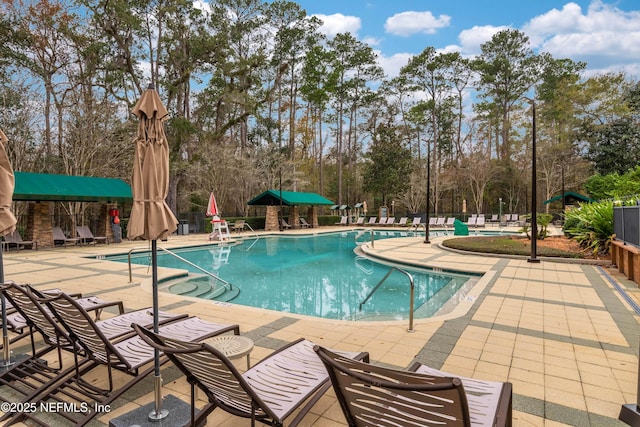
(560,332)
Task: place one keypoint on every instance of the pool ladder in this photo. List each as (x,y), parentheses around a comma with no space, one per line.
(391,270)
(362,232)
(226,284)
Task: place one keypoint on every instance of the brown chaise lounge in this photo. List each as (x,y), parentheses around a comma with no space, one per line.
(371,395)
(94,348)
(15,239)
(270,392)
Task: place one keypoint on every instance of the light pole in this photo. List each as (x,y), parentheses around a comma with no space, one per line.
(426,225)
(562,190)
(534,191)
(500,212)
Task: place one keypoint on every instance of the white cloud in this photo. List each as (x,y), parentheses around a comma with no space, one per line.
(392,64)
(605,36)
(411,22)
(339,23)
(371,41)
(471,39)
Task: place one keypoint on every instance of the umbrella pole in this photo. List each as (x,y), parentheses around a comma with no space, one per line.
(158,413)
(6,361)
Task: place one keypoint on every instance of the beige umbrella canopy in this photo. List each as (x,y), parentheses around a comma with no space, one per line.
(7,184)
(7,225)
(151,218)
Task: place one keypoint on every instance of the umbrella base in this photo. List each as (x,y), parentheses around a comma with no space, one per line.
(15,360)
(179,415)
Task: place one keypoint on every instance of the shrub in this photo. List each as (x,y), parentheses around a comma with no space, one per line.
(591,224)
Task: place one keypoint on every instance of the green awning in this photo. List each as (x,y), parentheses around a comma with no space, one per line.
(64,188)
(289,198)
(569,198)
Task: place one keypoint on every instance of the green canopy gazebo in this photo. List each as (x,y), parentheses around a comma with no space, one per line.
(569,198)
(274,199)
(42,188)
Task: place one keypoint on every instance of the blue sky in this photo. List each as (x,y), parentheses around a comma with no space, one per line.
(603,33)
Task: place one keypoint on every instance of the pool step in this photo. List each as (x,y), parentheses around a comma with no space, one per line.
(226,296)
(203,287)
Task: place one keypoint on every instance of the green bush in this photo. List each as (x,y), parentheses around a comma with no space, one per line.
(591,225)
(542,224)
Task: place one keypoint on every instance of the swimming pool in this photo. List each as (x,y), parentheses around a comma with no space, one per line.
(317,275)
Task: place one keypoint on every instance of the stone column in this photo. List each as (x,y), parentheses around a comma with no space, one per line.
(104,222)
(271,219)
(39,228)
(312,216)
(294,217)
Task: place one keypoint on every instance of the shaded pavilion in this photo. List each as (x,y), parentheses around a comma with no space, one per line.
(293,199)
(42,189)
(569,198)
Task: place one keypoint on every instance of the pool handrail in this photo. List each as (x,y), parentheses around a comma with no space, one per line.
(208,273)
(361,232)
(375,288)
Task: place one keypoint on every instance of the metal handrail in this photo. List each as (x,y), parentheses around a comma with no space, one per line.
(411,302)
(361,232)
(257,236)
(197,267)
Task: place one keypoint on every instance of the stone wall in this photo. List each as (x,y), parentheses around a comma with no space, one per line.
(39,227)
(294,217)
(312,216)
(271,219)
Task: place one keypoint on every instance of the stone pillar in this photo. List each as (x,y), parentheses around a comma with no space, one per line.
(39,228)
(104,221)
(312,216)
(271,219)
(294,217)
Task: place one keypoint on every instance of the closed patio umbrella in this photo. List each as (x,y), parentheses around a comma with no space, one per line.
(212,208)
(151,218)
(7,225)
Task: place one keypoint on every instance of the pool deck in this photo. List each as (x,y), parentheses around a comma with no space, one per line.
(561,333)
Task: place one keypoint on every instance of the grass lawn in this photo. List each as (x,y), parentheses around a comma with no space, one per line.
(517,245)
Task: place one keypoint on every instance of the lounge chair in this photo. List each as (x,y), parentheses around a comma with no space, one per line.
(415,224)
(432,221)
(284,224)
(480,221)
(372,221)
(28,377)
(494,218)
(403,221)
(450,222)
(128,355)
(238,226)
(86,236)
(440,222)
(420,396)
(344,220)
(270,392)
(14,239)
(304,223)
(390,221)
(471,222)
(39,318)
(59,238)
(360,221)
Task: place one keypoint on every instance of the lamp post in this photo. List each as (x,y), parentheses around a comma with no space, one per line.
(426,225)
(499,211)
(534,192)
(562,190)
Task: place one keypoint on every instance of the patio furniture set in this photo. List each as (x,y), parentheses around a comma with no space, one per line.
(283,386)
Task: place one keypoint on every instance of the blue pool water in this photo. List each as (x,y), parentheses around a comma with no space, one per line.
(318,275)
